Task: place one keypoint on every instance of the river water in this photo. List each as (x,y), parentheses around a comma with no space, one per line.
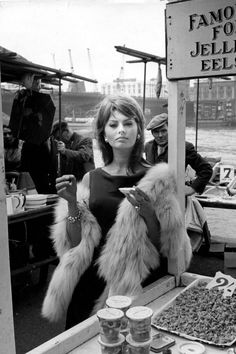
(215,142)
(212,142)
(219,142)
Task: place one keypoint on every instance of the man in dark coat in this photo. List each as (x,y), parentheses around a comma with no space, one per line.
(76,151)
(156,151)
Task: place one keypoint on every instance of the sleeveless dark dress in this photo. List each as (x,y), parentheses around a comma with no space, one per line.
(104,201)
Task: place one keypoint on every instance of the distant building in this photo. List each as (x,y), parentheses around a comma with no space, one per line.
(214,89)
(75,87)
(134,87)
(217,99)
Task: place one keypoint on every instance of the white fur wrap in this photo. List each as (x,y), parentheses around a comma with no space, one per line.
(128,255)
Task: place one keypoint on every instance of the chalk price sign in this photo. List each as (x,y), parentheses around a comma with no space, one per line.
(226,173)
(223,282)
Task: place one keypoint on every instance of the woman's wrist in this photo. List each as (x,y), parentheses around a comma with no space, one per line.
(73,209)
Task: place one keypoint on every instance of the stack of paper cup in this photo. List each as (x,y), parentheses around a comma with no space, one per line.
(110,339)
(139,339)
(122,303)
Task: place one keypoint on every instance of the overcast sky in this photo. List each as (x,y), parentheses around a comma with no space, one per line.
(36,29)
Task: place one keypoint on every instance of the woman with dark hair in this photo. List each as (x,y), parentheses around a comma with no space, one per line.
(109,244)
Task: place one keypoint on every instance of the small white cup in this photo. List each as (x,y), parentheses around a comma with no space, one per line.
(18,202)
(9,205)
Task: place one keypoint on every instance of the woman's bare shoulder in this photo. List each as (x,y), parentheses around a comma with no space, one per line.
(86,179)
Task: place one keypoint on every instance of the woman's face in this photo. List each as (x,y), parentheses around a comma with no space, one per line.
(121,131)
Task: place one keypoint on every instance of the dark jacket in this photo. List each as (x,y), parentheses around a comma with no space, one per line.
(78,157)
(202,168)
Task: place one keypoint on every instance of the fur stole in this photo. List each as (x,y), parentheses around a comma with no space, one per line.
(128,255)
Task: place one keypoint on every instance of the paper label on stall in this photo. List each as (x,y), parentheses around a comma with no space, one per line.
(226,173)
(223,282)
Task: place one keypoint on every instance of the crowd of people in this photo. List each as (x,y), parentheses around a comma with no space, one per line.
(70,153)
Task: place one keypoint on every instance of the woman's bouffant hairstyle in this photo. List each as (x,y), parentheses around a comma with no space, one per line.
(129,107)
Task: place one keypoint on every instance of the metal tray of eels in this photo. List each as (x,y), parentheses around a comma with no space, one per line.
(200,314)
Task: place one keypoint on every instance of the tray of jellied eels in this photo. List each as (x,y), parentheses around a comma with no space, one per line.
(123,328)
(204,311)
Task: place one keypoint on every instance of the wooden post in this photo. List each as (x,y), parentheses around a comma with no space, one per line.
(176,152)
(7,339)
(176,135)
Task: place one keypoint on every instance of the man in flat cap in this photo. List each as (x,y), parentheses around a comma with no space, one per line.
(156,151)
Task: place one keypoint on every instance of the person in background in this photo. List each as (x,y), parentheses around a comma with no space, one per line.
(12,150)
(109,244)
(156,151)
(76,151)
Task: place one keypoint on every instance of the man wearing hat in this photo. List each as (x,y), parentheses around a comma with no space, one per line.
(156,151)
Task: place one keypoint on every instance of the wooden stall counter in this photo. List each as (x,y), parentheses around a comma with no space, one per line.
(83,338)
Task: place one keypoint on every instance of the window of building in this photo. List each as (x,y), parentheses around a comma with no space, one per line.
(221,91)
(213,92)
(229,92)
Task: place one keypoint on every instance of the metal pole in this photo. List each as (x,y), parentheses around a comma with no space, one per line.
(59,110)
(196,121)
(144,86)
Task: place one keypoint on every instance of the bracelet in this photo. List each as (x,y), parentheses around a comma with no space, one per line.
(73,219)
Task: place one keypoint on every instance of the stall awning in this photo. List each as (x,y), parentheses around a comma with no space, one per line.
(14,67)
(141,55)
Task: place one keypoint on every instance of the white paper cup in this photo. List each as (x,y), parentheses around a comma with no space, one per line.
(122,303)
(112,348)
(140,323)
(110,324)
(137,347)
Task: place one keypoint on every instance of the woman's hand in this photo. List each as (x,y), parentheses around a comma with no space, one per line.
(66,187)
(141,202)
(144,207)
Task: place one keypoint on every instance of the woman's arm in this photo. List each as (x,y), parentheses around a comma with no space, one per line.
(144,207)
(154,228)
(66,188)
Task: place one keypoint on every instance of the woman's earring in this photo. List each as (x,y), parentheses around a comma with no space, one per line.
(105,138)
(138,136)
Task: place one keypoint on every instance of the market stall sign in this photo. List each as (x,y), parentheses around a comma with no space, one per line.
(223,282)
(201,39)
(226,173)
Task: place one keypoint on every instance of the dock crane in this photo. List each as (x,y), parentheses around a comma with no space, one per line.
(95,87)
(71,63)
(78,86)
(54,60)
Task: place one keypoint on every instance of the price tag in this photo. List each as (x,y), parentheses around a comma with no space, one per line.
(226,173)
(223,282)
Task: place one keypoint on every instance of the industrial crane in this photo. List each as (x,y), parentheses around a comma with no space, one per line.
(54,60)
(95,87)
(71,63)
(78,86)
